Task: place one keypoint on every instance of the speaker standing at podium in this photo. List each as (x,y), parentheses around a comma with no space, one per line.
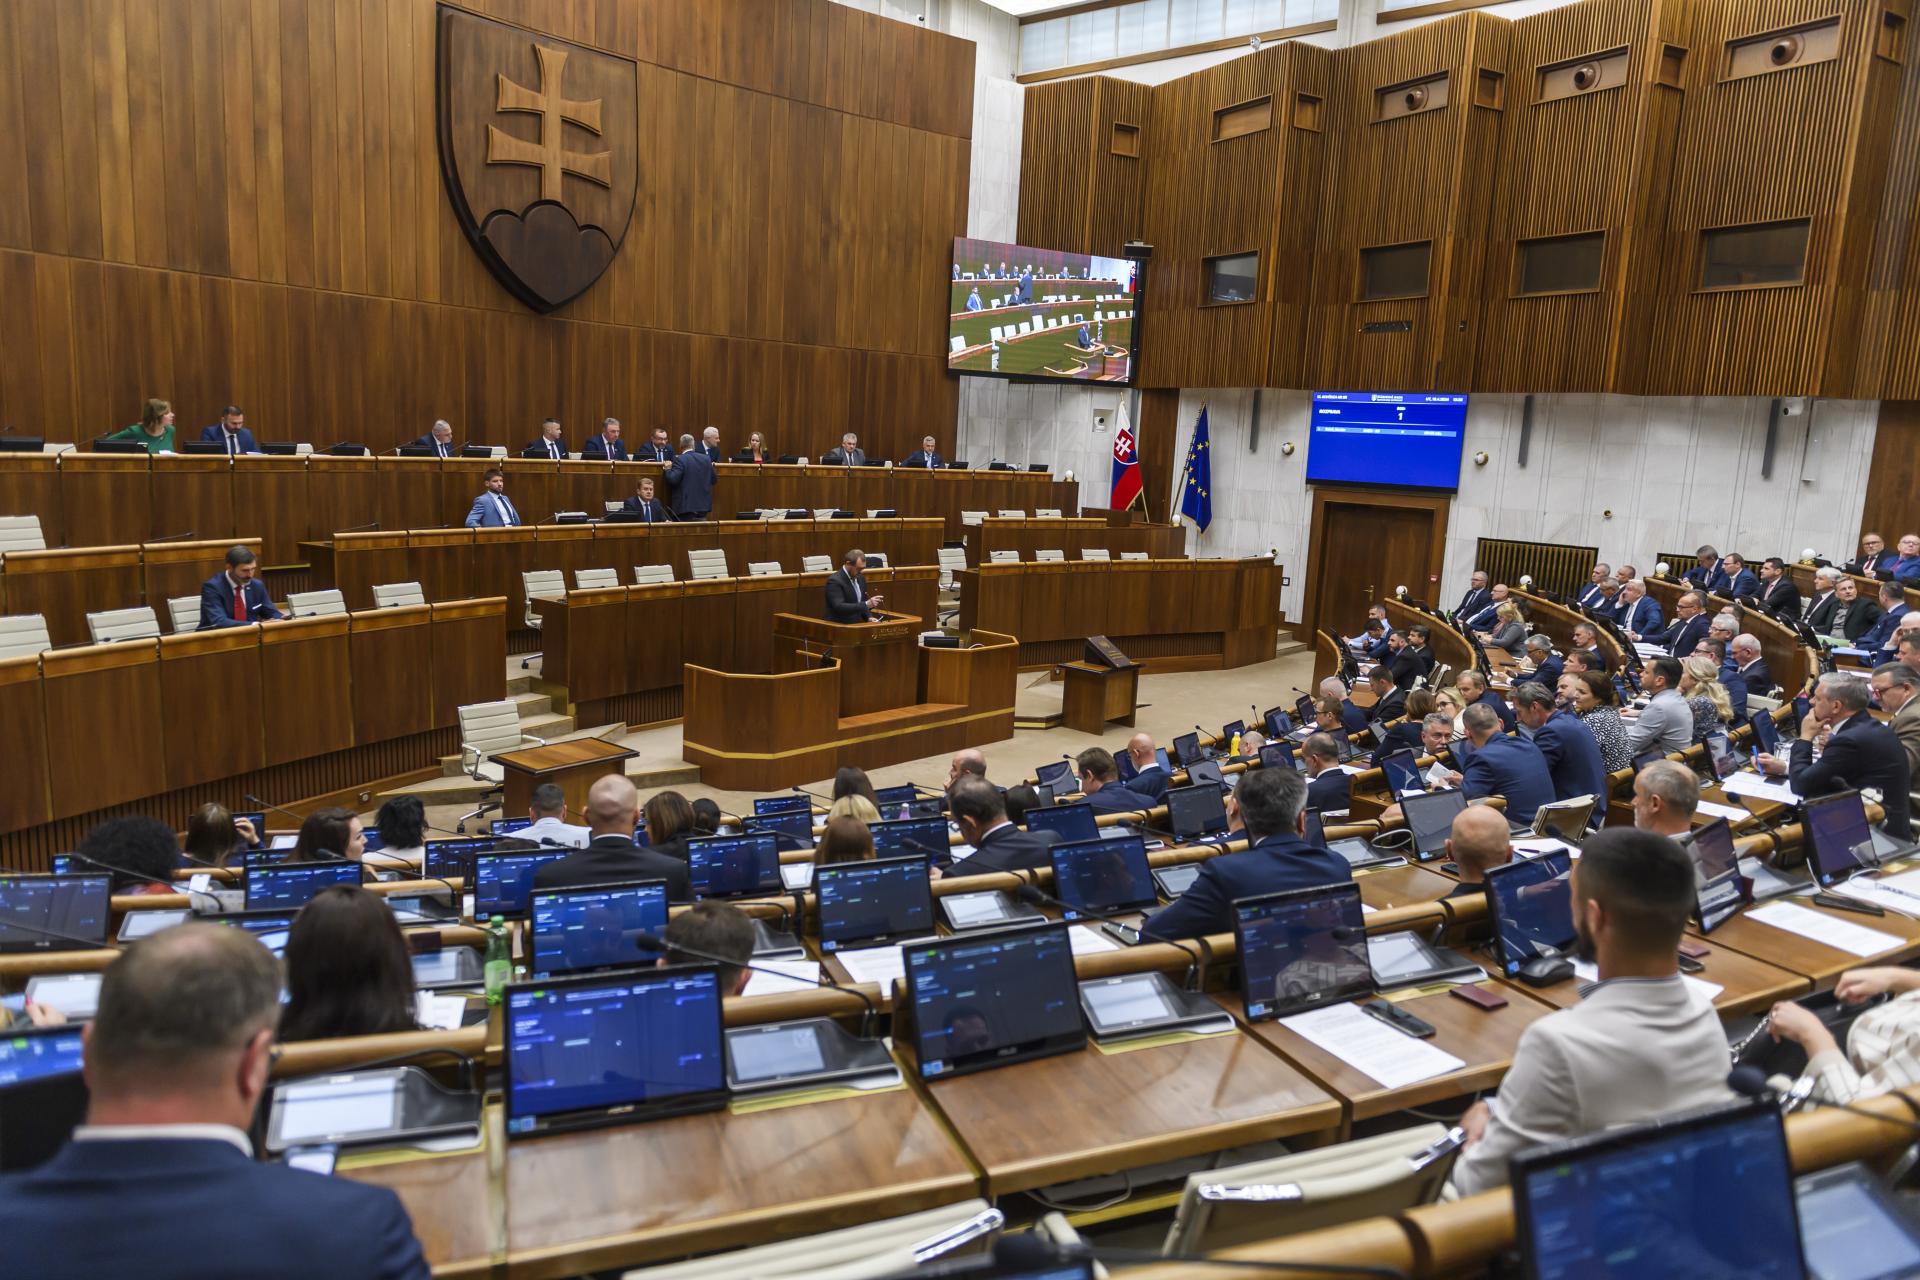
(847,598)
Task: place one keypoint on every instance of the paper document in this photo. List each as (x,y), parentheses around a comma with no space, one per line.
(960,852)
(874,964)
(796,875)
(1540,848)
(1086,939)
(1745,783)
(1352,768)
(801,975)
(1730,812)
(1587,972)
(1841,935)
(1885,894)
(437,1012)
(1370,1046)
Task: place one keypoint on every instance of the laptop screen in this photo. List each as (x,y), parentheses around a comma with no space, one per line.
(1276,755)
(795,828)
(36,1053)
(993,998)
(1231,730)
(1279,723)
(272,928)
(1706,1195)
(1854,1227)
(290,885)
(623,1040)
(1646,758)
(1721,755)
(1305,711)
(1766,734)
(1186,749)
(1056,775)
(1103,875)
(1301,949)
(1069,822)
(1842,842)
(594,926)
(905,793)
(453,859)
(507,826)
(259,821)
(502,881)
(1196,810)
(1430,817)
(1402,769)
(725,866)
(898,838)
(35,908)
(1206,771)
(1712,850)
(1532,904)
(782,804)
(864,901)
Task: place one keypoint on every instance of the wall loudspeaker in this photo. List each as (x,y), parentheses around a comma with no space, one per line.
(1586,75)
(1786,50)
(1416,97)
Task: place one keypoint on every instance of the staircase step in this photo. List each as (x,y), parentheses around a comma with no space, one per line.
(531,703)
(518,681)
(550,725)
(654,776)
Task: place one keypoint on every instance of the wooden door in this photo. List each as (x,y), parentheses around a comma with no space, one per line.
(1365,544)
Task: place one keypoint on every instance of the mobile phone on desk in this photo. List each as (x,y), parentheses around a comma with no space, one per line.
(1839,903)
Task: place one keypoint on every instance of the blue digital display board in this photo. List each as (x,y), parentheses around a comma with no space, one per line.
(1408,440)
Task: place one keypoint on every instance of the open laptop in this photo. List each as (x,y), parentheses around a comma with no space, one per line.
(1402,771)
(905,793)
(1840,844)
(1531,902)
(1058,775)
(899,838)
(613,1048)
(1716,875)
(1301,950)
(1721,758)
(765,805)
(1177,879)
(1187,751)
(1279,723)
(792,830)
(986,1000)
(54,913)
(583,928)
(453,859)
(271,927)
(1430,818)
(503,881)
(1853,1227)
(1110,877)
(1766,734)
(864,904)
(734,866)
(1065,822)
(1358,852)
(43,1095)
(288,886)
(1197,811)
(1277,755)
(508,826)
(1229,731)
(1208,771)
(1703,1194)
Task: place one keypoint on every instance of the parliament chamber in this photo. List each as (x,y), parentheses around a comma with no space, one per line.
(1343,705)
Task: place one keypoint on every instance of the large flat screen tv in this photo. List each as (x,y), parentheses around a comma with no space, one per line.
(1021,312)
(1401,439)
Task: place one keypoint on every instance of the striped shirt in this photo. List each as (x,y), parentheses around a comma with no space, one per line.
(1883,1054)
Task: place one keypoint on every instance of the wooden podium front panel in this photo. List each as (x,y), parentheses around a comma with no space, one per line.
(407,489)
(656,636)
(568,548)
(461,481)
(30,486)
(212,705)
(192,494)
(755,602)
(1214,584)
(306,678)
(1046,613)
(24,797)
(363,560)
(1129,585)
(500,559)
(469,655)
(867,489)
(914,590)
(272,501)
(107,498)
(1258,594)
(706,624)
(392,690)
(65,586)
(104,745)
(441,561)
(342,497)
(171,569)
(583,485)
(584,642)
(530,486)
(1171,604)
(1093,697)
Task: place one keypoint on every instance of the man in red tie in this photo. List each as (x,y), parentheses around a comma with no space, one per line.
(235,597)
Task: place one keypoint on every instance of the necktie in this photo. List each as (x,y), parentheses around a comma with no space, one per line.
(512,517)
(647,507)
(553,451)
(233,446)
(239,604)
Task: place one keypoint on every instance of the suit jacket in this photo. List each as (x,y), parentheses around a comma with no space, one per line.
(1404,736)
(1406,666)
(1333,789)
(540,449)
(486,513)
(1514,768)
(1904,569)
(921,458)
(1860,619)
(1115,798)
(650,510)
(1592,597)
(1758,679)
(1547,673)
(1150,782)
(1353,719)
(217,434)
(1483,619)
(1006,848)
(596,447)
(1905,725)
(216,603)
(651,452)
(1684,634)
(1736,692)
(1743,584)
(1391,707)
(1781,594)
(1473,602)
(101,1208)
(1573,758)
(1508,721)
(713,452)
(1861,753)
(1710,578)
(1880,635)
(1862,564)
(1666,723)
(1273,865)
(1642,617)
(616,857)
(447,450)
(844,603)
(691,475)
(838,457)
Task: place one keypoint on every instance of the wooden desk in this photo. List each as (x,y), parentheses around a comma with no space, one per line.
(878,660)
(1081,1114)
(65,586)
(454,1201)
(1386,887)
(622,1196)
(1747,985)
(573,766)
(1816,961)
(1447,642)
(1094,696)
(1483,1040)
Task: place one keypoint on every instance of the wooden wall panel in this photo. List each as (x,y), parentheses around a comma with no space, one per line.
(1893,291)
(241,200)
(1058,147)
(1893,479)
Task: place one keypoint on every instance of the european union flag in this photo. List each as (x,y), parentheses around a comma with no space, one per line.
(1196,478)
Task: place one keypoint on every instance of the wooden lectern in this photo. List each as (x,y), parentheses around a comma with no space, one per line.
(574,765)
(879,660)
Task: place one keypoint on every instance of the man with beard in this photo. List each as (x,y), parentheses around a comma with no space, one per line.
(1638,1045)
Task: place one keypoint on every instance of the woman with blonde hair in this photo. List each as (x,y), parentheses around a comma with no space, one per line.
(856,807)
(1706,696)
(1509,629)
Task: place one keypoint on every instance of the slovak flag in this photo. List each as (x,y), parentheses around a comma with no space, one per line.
(1127,489)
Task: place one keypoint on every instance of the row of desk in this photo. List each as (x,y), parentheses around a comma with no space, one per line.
(108,499)
(65,586)
(1790,662)
(1072,536)
(293,708)
(1171,614)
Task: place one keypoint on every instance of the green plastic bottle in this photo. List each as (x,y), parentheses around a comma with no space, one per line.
(499,966)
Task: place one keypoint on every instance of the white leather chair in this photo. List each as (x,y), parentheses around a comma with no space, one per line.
(23,635)
(123,624)
(652,575)
(1047,513)
(396,595)
(892,1247)
(21,533)
(1015,514)
(973,518)
(709,563)
(1049,555)
(1095,553)
(539,584)
(1003,557)
(184,613)
(486,730)
(763,568)
(816,564)
(952,560)
(595,579)
(316,604)
(1133,555)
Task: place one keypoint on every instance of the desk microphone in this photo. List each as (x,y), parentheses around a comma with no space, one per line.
(938,856)
(1751,1082)
(174,537)
(359,528)
(171,886)
(1034,896)
(800,790)
(658,942)
(1027,1253)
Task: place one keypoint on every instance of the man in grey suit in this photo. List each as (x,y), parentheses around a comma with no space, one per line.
(1667,722)
(849,454)
(692,477)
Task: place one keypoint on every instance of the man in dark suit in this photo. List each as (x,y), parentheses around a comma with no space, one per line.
(978,809)
(1706,574)
(1592,595)
(1893,607)
(645,505)
(1100,783)
(1389,699)
(1352,719)
(613,813)
(1850,615)
(1873,556)
(1568,746)
(1861,752)
(710,445)
(1329,787)
(1488,616)
(1777,591)
(849,454)
(1751,666)
(177,1060)
(235,597)
(1547,665)
(1476,599)
(656,449)
(847,597)
(439,439)
(606,446)
(1740,582)
(1141,766)
(1688,628)
(1504,766)
(549,445)
(1474,691)
(1403,661)
(925,456)
(1272,804)
(231,432)
(692,477)
(1636,612)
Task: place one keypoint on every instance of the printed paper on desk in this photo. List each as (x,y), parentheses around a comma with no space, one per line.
(881,965)
(1745,783)
(1370,1046)
(1586,971)
(1881,893)
(437,1012)
(1541,848)
(1727,811)
(960,852)
(799,975)
(1087,939)
(1841,935)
